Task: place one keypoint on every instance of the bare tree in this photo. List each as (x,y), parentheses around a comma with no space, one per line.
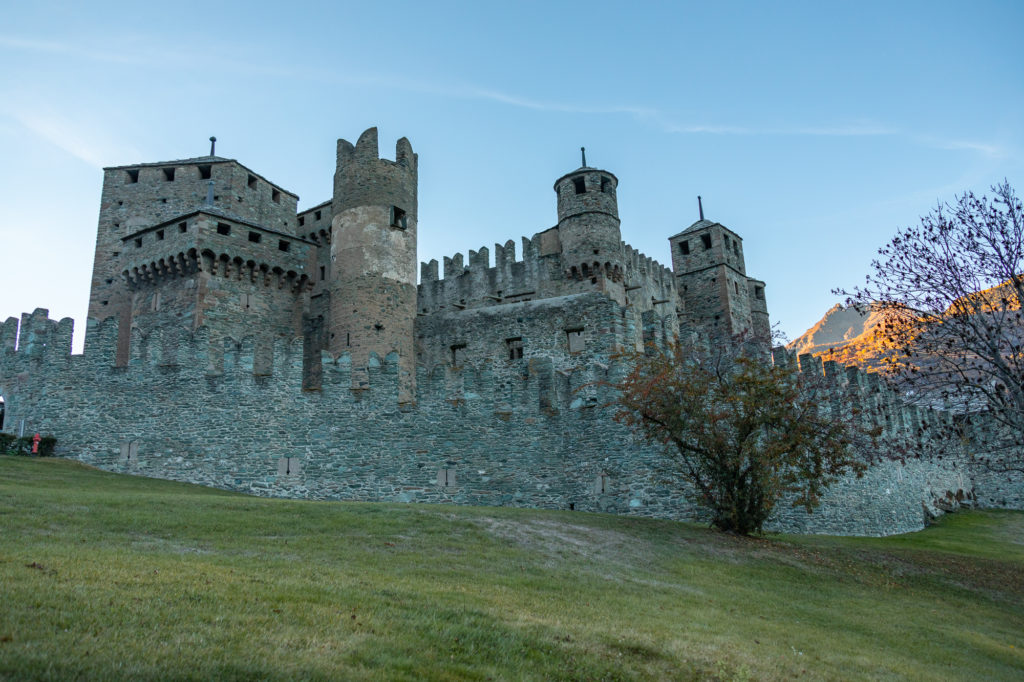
(951,289)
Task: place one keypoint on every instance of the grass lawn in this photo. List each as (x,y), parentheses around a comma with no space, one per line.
(105,576)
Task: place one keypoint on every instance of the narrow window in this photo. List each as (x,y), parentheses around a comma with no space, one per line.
(759,293)
(458,354)
(515,348)
(446,478)
(606,184)
(133,176)
(182,227)
(398,218)
(302,220)
(576,341)
(223,228)
(138,242)
(252,181)
(602,485)
(706,240)
(316,216)
(323,272)
(159,235)
(580,184)
(282,245)
(205,172)
(254,237)
(684,246)
(736,285)
(275,196)
(168,175)
(735,247)
(156,302)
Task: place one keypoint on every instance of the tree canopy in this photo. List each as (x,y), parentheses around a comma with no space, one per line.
(742,432)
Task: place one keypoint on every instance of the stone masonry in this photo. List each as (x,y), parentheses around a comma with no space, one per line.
(236,343)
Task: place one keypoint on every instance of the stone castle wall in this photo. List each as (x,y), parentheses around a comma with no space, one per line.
(535,432)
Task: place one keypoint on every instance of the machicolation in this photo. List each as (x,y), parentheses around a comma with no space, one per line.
(236,342)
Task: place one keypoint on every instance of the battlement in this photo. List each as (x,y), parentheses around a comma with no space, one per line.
(364,179)
(268,367)
(210,241)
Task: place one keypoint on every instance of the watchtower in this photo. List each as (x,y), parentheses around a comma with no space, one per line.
(588,229)
(711,278)
(373,258)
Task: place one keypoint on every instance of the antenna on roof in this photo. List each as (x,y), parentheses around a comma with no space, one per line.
(583,153)
(700,207)
(213,145)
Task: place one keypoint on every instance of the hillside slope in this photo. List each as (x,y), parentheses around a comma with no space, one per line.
(105,576)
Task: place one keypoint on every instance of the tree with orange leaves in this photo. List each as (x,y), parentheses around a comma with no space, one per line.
(742,432)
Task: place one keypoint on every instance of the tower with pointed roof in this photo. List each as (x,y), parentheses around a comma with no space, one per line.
(711,277)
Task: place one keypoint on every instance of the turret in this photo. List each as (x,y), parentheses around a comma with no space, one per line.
(711,278)
(588,228)
(373,258)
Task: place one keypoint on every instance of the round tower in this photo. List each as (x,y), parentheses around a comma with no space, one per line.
(373,259)
(588,227)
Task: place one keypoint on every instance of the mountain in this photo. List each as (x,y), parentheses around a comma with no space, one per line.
(844,334)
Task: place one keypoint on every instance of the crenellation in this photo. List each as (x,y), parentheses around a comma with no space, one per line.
(229,332)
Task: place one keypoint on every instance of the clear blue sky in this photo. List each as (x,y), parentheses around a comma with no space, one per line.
(813,129)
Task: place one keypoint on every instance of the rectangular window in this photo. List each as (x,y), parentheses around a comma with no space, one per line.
(252,181)
(223,228)
(155,304)
(759,293)
(606,184)
(576,341)
(446,478)
(138,242)
(580,185)
(129,450)
(205,172)
(458,354)
(254,237)
(289,466)
(282,245)
(302,220)
(159,235)
(706,240)
(275,196)
(182,227)
(168,175)
(398,218)
(323,272)
(684,246)
(133,176)
(316,216)
(515,348)
(602,485)
(735,247)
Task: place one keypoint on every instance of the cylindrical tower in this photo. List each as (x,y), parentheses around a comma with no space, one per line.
(373,259)
(588,228)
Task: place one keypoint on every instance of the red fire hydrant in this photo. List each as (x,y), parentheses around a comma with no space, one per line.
(35,444)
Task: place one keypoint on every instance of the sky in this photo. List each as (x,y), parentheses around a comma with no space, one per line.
(813,130)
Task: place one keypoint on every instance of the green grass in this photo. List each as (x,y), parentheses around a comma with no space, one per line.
(114,577)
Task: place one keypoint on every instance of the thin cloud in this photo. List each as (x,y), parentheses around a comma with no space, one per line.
(144,52)
(90,145)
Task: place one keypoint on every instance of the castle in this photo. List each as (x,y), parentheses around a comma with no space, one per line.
(235,342)
(208,242)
